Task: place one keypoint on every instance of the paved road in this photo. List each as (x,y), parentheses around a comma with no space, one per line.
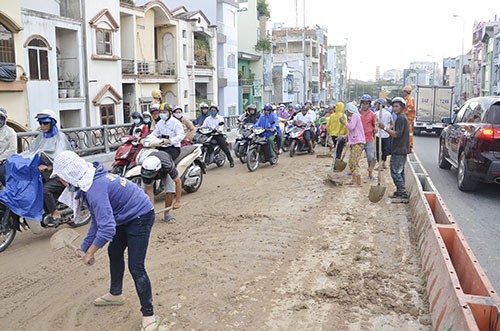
(477,214)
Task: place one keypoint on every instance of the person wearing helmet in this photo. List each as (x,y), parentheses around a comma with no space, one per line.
(400,148)
(138,128)
(203,114)
(308,119)
(160,165)
(283,114)
(214,122)
(251,115)
(187,125)
(8,143)
(269,121)
(123,216)
(382,137)
(170,130)
(409,111)
(336,129)
(147,119)
(308,104)
(355,140)
(369,123)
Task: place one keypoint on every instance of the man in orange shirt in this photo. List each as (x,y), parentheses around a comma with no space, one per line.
(409,111)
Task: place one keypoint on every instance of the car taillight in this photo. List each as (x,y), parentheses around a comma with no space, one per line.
(489,133)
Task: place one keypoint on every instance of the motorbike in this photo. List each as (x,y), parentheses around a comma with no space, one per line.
(298,144)
(285,146)
(126,155)
(243,140)
(322,136)
(211,151)
(189,164)
(258,150)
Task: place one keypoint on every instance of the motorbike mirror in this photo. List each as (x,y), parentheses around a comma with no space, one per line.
(221,123)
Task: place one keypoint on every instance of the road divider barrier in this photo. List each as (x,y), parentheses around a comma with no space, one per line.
(461,296)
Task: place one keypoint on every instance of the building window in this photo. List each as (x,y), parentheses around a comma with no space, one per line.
(184,33)
(107,114)
(231,61)
(184,52)
(185,93)
(6,46)
(104,42)
(38,56)
(315,71)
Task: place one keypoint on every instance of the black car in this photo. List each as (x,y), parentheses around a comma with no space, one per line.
(471,143)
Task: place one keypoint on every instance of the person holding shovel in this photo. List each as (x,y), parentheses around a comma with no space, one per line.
(337,130)
(400,148)
(355,140)
(122,215)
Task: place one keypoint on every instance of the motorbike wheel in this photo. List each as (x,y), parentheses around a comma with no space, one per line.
(192,189)
(84,215)
(253,160)
(137,180)
(293,145)
(222,159)
(286,146)
(117,170)
(243,154)
(7,231)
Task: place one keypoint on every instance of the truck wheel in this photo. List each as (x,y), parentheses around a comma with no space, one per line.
(438,132)
(416,132)
(465,181)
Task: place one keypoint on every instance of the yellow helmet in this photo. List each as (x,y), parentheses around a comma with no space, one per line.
(166,106)
(156,94)
(407,88)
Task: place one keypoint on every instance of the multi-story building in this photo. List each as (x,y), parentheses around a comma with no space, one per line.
(484,58)
(284,89)
(13,94)
(337,73)
(222,13)
(496,61)
(393,75)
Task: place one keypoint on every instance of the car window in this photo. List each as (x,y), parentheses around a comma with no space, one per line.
(493,114)
(468,115)
(461,112)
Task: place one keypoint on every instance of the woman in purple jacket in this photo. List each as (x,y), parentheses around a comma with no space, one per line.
(122,215)
(355,139)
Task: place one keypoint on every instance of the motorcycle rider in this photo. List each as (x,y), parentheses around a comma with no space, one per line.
(305,117)
(251,115)
(187,125)
(138,129)
(122,216)
(170,131)
(155,116)
(269,121)
(159,165)
(147,120)
(213,122)
(8,143)
(203,114)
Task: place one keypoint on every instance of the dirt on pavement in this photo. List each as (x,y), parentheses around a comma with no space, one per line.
(279,249)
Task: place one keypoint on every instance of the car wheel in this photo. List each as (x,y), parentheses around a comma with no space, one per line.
(443,163)
(465,181)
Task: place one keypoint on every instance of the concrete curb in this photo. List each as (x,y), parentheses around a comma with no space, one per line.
(460,294)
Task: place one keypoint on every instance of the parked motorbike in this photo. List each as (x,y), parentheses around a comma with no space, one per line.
(189,164)
(211,151)
(285,146)
(258,150)
(243,140)
(298,144)
(126,155)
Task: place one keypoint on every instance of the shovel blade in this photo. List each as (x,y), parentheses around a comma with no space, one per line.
(376,193)
(339,165)
(63,238)
(323,155)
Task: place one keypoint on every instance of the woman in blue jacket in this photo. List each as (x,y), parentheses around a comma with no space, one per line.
(269,121)
(122,215)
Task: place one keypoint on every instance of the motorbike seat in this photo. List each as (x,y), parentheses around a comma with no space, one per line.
(185,151)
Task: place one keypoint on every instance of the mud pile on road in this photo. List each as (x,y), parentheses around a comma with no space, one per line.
(278,249)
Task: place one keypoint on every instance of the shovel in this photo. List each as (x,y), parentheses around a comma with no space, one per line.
(377,191)
(64,238)
(339,164)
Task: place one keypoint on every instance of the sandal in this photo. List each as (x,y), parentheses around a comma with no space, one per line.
(155,324)
(102,301)
(169,219)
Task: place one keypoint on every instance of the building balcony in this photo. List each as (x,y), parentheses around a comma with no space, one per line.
(245,82)
(156,69)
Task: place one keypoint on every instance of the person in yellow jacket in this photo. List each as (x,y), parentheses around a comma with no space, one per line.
(337,130)
(409,111)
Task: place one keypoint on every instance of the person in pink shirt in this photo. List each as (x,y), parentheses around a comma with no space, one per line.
(355,140)
(369,123)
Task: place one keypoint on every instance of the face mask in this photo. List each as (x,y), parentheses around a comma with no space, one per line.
(72,188)
(137,120)
(213,113)
(164,116)
(2,122)
(147,120)
(178,116)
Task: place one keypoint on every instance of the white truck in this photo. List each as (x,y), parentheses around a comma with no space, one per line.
(432,104)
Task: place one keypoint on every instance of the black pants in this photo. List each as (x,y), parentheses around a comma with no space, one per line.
(340,148)
(221,141)
(52,189)
(2,173)
(172,151)
(386,148)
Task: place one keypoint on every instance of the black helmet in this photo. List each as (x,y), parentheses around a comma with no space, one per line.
(136,114)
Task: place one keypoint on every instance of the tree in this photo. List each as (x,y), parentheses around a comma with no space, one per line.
(263,8)
(263,45)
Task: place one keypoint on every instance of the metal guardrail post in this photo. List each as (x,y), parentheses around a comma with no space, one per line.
(106,139)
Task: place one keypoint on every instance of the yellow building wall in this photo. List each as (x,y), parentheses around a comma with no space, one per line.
(146,37)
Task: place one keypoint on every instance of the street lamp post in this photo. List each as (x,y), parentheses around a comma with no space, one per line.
(460,72)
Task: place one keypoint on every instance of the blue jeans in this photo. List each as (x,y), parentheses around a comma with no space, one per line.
(135,236)
(398,172)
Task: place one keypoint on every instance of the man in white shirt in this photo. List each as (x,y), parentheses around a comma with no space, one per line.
(214,122)
(382,115)
(8,143)
(308,119)
(170,130)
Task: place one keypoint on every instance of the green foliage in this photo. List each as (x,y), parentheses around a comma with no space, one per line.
(263,8)
(263,45)
(201,51)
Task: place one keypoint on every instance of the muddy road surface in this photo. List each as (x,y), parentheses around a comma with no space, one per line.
(278,249)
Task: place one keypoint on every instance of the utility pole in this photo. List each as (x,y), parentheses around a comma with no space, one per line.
(304,49)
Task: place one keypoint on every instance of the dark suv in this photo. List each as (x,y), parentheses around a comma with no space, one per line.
(471,143)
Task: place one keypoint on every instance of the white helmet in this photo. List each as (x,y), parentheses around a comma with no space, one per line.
(3,113)
(46,113)
(400,100)
(150,168)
